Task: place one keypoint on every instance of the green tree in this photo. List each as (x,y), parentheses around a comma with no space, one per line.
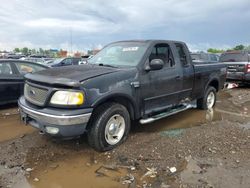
(33,51)
(41,51)
(25,51)
(239,47)
(247,48)
(16,50)
(214,50)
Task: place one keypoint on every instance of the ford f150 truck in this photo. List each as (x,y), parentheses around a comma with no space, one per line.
(238,66)
(127,80)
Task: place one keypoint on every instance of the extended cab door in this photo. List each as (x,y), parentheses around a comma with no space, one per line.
(185,61)
(159,89)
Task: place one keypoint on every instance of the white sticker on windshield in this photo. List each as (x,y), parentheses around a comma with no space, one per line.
(130,49)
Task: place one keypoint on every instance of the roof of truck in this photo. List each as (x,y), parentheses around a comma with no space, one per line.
(150,40)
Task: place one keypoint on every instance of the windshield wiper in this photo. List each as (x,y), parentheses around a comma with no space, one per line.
(106,65)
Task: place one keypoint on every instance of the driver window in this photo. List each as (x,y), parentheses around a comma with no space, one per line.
(163,52)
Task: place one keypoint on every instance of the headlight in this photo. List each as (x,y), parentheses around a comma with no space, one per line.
(67,98)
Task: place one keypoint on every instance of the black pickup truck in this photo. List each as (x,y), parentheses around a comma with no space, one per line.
(127,80)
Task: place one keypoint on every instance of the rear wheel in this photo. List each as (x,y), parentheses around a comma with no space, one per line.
(109,127)
(209,99)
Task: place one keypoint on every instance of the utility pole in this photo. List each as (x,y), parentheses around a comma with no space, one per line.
(71,41)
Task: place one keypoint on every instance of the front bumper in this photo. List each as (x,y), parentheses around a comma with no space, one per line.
(69,122)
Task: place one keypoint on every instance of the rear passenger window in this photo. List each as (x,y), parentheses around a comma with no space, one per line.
(182,54)
(5,69)
(163,52)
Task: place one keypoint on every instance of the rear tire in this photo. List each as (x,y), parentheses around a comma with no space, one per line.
(109,126)
(209,99)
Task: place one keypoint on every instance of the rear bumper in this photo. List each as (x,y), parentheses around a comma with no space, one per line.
(238,76)
(68,123)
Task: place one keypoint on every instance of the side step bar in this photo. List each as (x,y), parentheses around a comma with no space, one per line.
(166,114)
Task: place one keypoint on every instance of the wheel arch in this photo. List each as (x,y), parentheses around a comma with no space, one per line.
(214,83)
(122,99)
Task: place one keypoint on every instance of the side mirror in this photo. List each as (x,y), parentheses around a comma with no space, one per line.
(156,64)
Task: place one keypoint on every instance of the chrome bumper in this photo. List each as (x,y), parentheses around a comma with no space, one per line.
(55,119)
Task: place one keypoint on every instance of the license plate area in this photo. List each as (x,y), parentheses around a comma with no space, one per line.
(24,117)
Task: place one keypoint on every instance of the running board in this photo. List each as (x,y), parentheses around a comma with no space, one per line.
(166,114)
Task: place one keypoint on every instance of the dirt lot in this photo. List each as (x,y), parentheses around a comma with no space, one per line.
(191,149)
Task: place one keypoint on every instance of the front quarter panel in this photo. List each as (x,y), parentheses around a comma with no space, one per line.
(104,87)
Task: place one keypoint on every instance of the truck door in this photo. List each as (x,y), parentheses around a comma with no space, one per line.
(184,60)
(160,88)
(9,83)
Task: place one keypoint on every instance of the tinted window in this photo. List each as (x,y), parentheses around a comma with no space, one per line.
(163,52)
(234,57)
(67,61)
(182,54)
(5,69)
(24,68)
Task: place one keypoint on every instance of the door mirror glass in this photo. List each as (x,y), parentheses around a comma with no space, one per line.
(156,64)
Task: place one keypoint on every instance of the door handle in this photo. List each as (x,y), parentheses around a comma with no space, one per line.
(177,77)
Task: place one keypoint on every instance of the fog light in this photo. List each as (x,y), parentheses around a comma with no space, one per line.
(52,130)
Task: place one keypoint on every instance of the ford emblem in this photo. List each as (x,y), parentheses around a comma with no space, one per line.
(32,92)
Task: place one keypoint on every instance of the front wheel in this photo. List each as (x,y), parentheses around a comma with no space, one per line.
(109,127)
(209,99)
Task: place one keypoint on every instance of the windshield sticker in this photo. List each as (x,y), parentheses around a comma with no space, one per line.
(129,49)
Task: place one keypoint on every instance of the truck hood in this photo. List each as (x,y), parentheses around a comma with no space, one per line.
(70,76)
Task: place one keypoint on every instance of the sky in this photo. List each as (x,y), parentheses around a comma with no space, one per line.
(95,23)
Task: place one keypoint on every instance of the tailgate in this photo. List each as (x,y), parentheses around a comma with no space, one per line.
(236,66)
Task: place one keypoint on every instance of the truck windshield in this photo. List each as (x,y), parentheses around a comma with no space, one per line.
(120,54)
(234,57)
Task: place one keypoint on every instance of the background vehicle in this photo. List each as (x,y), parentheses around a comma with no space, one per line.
(12,78)
(65,62)
(40,60)
(238,65)
(85,59)
(128,80)
(14,56)
(204,57)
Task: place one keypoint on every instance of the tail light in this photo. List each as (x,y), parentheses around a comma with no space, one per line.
(248,68)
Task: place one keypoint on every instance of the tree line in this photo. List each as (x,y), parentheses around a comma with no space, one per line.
(238,47)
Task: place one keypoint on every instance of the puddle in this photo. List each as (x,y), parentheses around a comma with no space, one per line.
(11,125)
(172,133)
(78,172)
(186,119)
(224,110)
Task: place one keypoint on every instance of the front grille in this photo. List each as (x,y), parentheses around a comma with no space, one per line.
(35,95)
(236,68)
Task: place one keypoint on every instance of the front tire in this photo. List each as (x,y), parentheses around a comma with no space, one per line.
(109,126)
(209,99)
